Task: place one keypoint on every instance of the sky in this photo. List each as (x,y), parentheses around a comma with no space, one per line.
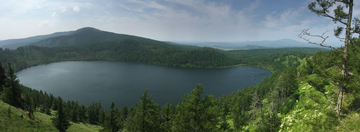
(168,20)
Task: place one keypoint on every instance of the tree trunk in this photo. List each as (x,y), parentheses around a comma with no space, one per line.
(347,37)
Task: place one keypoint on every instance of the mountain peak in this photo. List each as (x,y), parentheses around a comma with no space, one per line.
(87,29)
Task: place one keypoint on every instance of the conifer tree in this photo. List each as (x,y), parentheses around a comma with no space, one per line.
(2,77)
(82,113)
(195,114)
(167,116)
(290,81)
(123,117)
(102,116)
(111,122)
(60,121)
(74,114)
(146,116)
(239,112)
(12,91)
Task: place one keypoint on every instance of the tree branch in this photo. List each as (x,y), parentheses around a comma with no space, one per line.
(305,32)
(327,15)
(341,39)
(329,98)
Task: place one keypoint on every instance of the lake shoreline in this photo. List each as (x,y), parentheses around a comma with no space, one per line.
(123,82)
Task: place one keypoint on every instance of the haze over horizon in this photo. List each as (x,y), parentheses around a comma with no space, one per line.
(168,20)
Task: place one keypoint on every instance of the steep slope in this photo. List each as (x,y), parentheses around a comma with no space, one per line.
(11,120)
(311,111)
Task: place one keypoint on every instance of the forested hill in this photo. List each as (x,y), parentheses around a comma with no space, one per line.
(14,43)
(126,50)
(88,35)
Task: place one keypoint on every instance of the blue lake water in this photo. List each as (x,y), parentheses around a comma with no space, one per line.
(124,82)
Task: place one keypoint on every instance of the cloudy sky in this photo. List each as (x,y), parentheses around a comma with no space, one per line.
(166,20)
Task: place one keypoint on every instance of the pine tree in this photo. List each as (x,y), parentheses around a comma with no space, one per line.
(111,122)
(2,77)
(12,92)
(47,111)
(239,112)
(123,117)
(195,114)
(60,121)
(82,113)
(146,116)
(29,104)
(167,116)
(290,81)
(102,116)
(224,125)
(74,114)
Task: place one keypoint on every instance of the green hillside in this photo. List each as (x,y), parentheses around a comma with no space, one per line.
(88,36)
(14,43)
(11,121)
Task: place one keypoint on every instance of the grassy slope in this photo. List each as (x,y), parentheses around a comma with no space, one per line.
(42,122)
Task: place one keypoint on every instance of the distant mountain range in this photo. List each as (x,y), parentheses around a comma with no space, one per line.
(89,35)
(282,43)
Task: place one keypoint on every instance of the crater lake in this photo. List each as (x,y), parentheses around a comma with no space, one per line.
(124,82)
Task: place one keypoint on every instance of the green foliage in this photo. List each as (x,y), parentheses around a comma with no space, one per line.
(196,114)
(146,116)
(111,122)
(123,117)
(239,111)
(318,83)
(93,113)
(11,121)
(2,77)
(12,90)
(60,121)
(271,123)
(167,117)
(126,50)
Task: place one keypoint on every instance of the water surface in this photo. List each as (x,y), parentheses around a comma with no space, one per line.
(124,82)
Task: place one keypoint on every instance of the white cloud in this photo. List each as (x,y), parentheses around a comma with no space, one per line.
(76,8)
(275,20)
(173,20)
(54,15)
(43,24)
(62,9)
(253,6)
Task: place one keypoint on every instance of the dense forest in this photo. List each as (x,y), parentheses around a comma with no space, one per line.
(127,50)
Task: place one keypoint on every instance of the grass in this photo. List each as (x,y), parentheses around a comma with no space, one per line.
(11,121)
